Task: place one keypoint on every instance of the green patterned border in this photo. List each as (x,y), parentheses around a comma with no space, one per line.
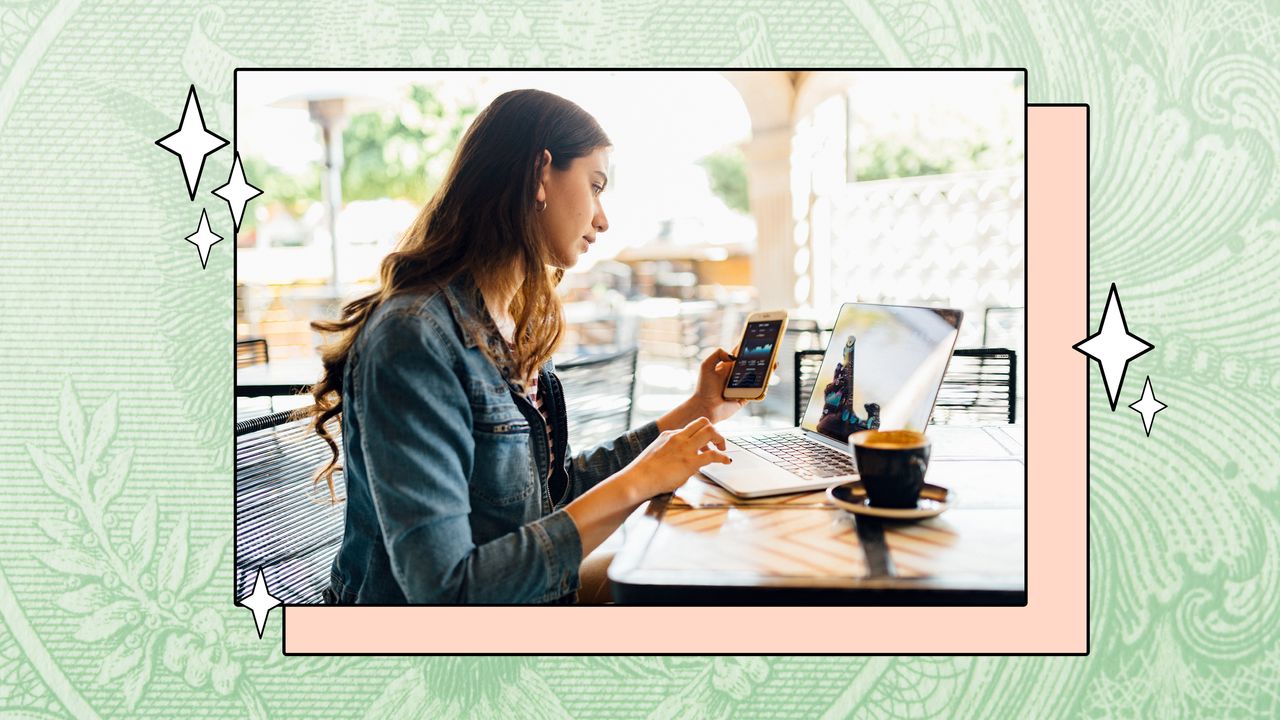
(117,458)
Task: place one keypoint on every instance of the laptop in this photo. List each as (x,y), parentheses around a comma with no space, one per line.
(882,370)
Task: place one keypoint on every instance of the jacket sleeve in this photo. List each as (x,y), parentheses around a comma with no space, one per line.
(415,421)
(588,468)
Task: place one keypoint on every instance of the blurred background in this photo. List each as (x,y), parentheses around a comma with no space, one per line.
(728,192)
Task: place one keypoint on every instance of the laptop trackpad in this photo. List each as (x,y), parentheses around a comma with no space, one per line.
(749,474)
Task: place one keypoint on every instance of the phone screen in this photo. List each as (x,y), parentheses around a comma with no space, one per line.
(751,370)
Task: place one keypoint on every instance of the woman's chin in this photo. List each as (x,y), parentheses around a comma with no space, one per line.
(564,263)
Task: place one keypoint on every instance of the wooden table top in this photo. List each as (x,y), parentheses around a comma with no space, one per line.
(704,545)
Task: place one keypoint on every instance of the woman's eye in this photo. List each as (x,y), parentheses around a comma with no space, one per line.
(598,189)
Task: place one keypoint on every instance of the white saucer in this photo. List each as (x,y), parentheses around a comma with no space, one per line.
(852,496)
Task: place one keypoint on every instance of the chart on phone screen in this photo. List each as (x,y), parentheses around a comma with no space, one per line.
(752,365)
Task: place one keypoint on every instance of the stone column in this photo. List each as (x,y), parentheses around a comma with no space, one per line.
(768,156)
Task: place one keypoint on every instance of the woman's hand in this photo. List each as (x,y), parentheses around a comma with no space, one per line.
(675,456)
(707,399)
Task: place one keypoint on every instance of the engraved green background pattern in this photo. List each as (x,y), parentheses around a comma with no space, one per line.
(115,442)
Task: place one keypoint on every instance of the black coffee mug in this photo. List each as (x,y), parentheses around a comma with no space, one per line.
(891,465)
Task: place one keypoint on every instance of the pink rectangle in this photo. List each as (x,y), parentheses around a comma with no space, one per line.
(1055,618)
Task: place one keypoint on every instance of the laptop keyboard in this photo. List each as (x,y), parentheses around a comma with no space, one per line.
(793,452)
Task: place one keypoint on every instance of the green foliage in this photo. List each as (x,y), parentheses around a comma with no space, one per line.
(394,153)
(402,153)
(934,138)
(294,192)
(727,170)
(883,159)
(877,161)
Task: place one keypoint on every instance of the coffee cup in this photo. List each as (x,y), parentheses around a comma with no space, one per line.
(891,465)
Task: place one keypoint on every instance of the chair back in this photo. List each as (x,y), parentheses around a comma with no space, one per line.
(807,365)
(285,524)
(1005,327)
(978,387)
(599,393)
(252,352)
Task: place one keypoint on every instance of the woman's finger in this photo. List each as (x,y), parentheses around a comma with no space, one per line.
(716,357)
(714,443)
(708,434)
(694,427)
(710,456)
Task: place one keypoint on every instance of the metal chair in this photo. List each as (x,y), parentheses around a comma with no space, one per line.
(1005,327)
(599,393)
(285,524)
(252,352)
(807,365)
(978,386)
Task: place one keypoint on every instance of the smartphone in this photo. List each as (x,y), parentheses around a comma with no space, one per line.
(756,352)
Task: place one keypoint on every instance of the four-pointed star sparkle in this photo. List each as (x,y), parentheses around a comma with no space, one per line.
(1113,346)
(204,238)
(260,601)
(192,142)
(237,192)
(1147,406)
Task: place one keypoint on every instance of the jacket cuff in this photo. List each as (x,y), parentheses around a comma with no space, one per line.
(562,547)
(641,437)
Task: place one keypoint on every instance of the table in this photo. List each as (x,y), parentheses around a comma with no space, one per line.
(278,377)
(702,545)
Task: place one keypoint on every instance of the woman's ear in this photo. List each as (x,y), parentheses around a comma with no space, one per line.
(544,175)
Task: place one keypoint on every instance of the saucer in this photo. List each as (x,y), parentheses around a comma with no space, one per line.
(852,496)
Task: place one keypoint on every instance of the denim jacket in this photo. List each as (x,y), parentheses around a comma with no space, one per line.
(446,461)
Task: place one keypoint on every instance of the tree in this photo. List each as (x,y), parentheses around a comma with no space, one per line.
(293,192)
(394,153)
(727,170)
(402,153)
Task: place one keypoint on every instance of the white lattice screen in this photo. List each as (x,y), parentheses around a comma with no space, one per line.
(955,239)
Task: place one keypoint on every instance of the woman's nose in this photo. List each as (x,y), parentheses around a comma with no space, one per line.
(600,222)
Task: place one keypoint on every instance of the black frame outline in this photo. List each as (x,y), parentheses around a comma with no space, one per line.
(1026,410)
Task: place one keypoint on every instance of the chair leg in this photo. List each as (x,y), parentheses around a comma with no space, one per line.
(596,588)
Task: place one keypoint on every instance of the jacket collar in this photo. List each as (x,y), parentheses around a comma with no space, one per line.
(466,302)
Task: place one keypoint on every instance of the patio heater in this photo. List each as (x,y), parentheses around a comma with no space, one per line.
(330,114)
(330,106)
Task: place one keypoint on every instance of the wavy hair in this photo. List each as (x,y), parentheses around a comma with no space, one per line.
(480,220)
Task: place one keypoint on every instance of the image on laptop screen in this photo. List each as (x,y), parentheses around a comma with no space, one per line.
(882,369)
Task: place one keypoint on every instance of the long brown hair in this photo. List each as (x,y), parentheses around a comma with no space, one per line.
(480,220)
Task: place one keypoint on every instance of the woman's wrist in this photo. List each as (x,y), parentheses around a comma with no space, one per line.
(681,415)
(632,483)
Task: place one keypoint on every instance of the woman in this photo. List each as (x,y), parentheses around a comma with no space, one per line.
(460,483)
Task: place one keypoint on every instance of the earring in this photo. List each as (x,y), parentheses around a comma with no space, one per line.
(540,207)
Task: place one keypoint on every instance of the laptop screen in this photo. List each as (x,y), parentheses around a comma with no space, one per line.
(882,369)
